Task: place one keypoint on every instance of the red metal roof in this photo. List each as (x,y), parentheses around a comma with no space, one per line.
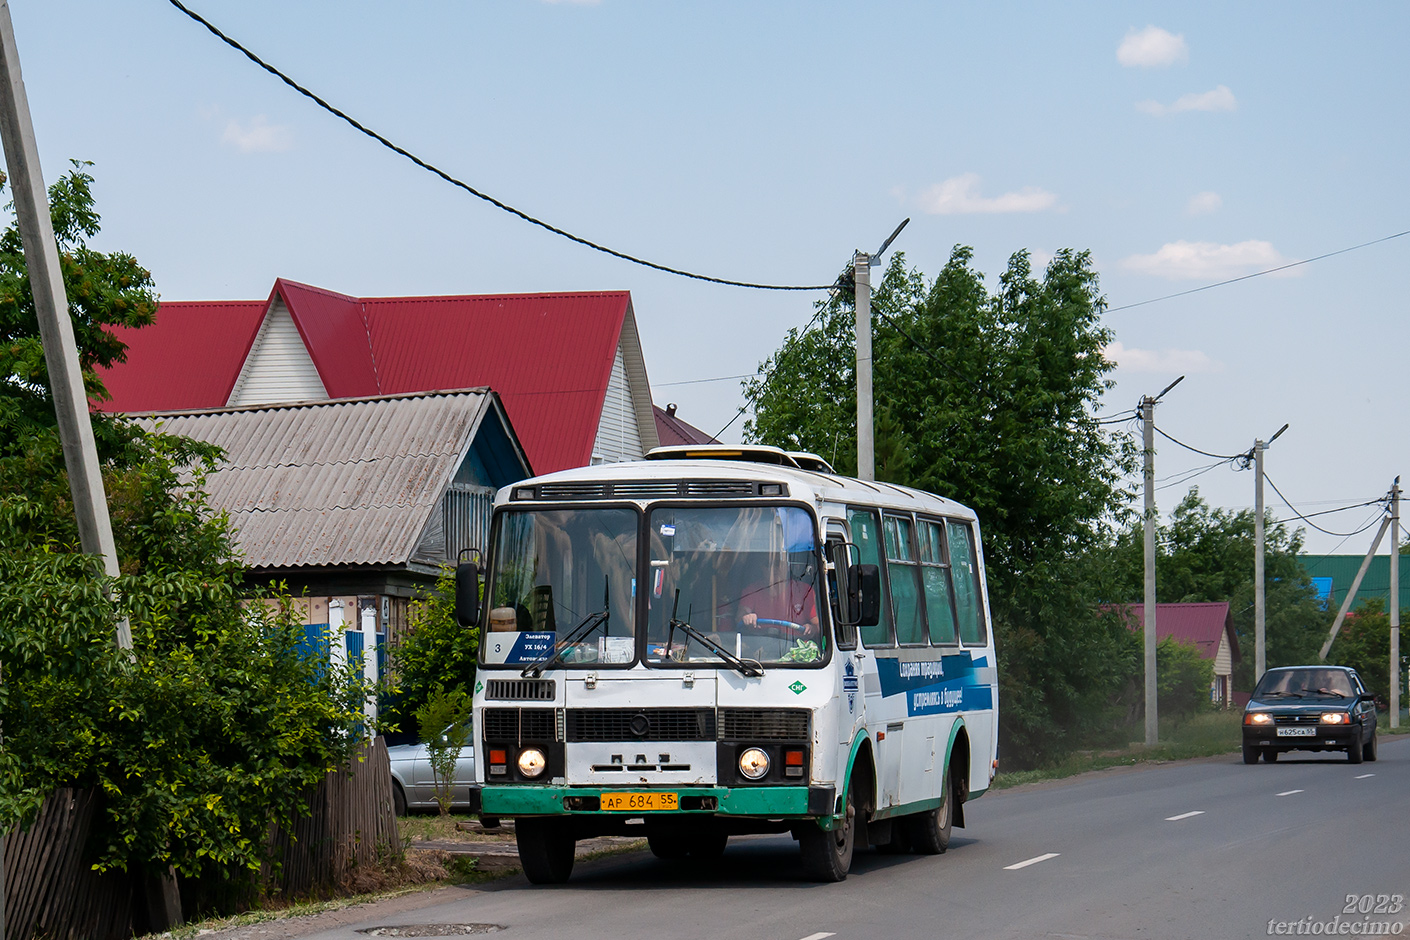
(672,431)
(189,358)
(1196,624)
(548,356)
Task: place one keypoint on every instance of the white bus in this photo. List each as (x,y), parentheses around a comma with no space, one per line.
(719,641)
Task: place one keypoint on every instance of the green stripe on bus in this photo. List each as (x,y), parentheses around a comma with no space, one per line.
(737,801)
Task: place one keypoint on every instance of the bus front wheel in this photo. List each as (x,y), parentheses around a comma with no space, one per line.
(546,849)
(827,854)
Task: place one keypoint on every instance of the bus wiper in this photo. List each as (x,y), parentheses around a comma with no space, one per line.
(745,667)
(576,635)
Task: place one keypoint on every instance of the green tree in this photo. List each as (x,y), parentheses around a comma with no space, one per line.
(436,655)
(988,398)
(1364,644)
(199,737)
(1206,554)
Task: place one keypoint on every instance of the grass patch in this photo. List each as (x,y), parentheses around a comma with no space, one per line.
(436,827)
(1201,736)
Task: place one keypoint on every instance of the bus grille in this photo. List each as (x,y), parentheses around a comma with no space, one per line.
(520,690)
(764,724)
(636,724)
(710,488)
(518,724)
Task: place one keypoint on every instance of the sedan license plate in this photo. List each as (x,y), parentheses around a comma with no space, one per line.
(1297,732)
(637,802)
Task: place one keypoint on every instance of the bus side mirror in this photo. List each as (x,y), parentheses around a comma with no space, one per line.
(864,594)
(467,594)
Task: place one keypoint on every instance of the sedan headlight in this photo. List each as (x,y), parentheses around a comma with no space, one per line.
(1258,718)
(532,762)
(1335,718)
(753,763)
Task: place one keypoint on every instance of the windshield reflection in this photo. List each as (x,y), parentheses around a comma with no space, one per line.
(746,576)
(554,571)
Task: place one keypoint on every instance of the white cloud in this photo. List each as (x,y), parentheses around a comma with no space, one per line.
(1152,47)
(1219,99)
(1169,361)
(257,135)
(959,195)
(1184,260)
(1203,204)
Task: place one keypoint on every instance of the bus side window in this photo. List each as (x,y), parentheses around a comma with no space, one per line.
(839,555)
(866,535)
(939,610)
(903,574)
(965,566)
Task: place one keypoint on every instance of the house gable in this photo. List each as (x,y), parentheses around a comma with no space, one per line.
(278,367)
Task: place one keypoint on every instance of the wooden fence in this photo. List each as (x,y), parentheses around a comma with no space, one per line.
(350,823)
(51,890)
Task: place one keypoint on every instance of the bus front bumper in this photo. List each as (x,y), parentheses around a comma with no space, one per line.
(766,802)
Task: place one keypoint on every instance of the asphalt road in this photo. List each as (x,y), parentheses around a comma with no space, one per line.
(1200,849)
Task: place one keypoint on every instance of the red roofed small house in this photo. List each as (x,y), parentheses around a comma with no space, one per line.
(567,367)
(1205,626)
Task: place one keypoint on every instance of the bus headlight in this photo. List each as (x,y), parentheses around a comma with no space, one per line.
(532,762)
(753,763)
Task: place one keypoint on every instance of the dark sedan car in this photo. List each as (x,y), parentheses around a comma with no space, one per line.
(1310,708)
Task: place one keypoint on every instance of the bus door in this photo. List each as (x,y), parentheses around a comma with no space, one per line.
(849,660)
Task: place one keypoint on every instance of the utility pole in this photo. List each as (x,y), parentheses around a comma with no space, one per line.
(1260,587)
(51,304)
(866,426)
(1148,526)
(1395,604)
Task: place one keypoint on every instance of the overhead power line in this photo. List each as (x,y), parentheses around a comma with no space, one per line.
(1203,453)
(1245,277)
(1315,525)
(432,168)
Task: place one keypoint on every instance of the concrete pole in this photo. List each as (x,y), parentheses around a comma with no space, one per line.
(1395,604)
(1148,527)
(1260,599)
(51,304)
(866,448)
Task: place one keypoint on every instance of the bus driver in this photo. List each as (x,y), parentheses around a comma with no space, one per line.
(787,605)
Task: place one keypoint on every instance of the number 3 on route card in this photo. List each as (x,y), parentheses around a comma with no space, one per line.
(637,802)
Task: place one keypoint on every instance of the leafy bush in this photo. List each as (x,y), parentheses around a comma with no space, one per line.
(204,733)
(445,727)
(436,655)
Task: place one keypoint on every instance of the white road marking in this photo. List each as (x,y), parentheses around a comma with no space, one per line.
(1288,792)
(821,935)
(1364,776)
(1032,861)
(1198,812)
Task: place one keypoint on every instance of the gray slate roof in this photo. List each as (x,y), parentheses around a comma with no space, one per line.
(350,482)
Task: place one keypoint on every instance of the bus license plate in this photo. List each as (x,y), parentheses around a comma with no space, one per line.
(1297,732)
(637,802)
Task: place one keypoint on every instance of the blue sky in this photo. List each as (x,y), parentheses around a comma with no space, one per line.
(1181,143)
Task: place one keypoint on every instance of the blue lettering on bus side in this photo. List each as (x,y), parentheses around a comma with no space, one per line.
(949,684)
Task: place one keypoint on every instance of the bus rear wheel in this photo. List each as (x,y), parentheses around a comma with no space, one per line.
(546,849)
(827,854)
(930,832)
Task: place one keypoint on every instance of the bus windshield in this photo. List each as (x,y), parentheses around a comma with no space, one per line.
(745,576)
(563,581)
